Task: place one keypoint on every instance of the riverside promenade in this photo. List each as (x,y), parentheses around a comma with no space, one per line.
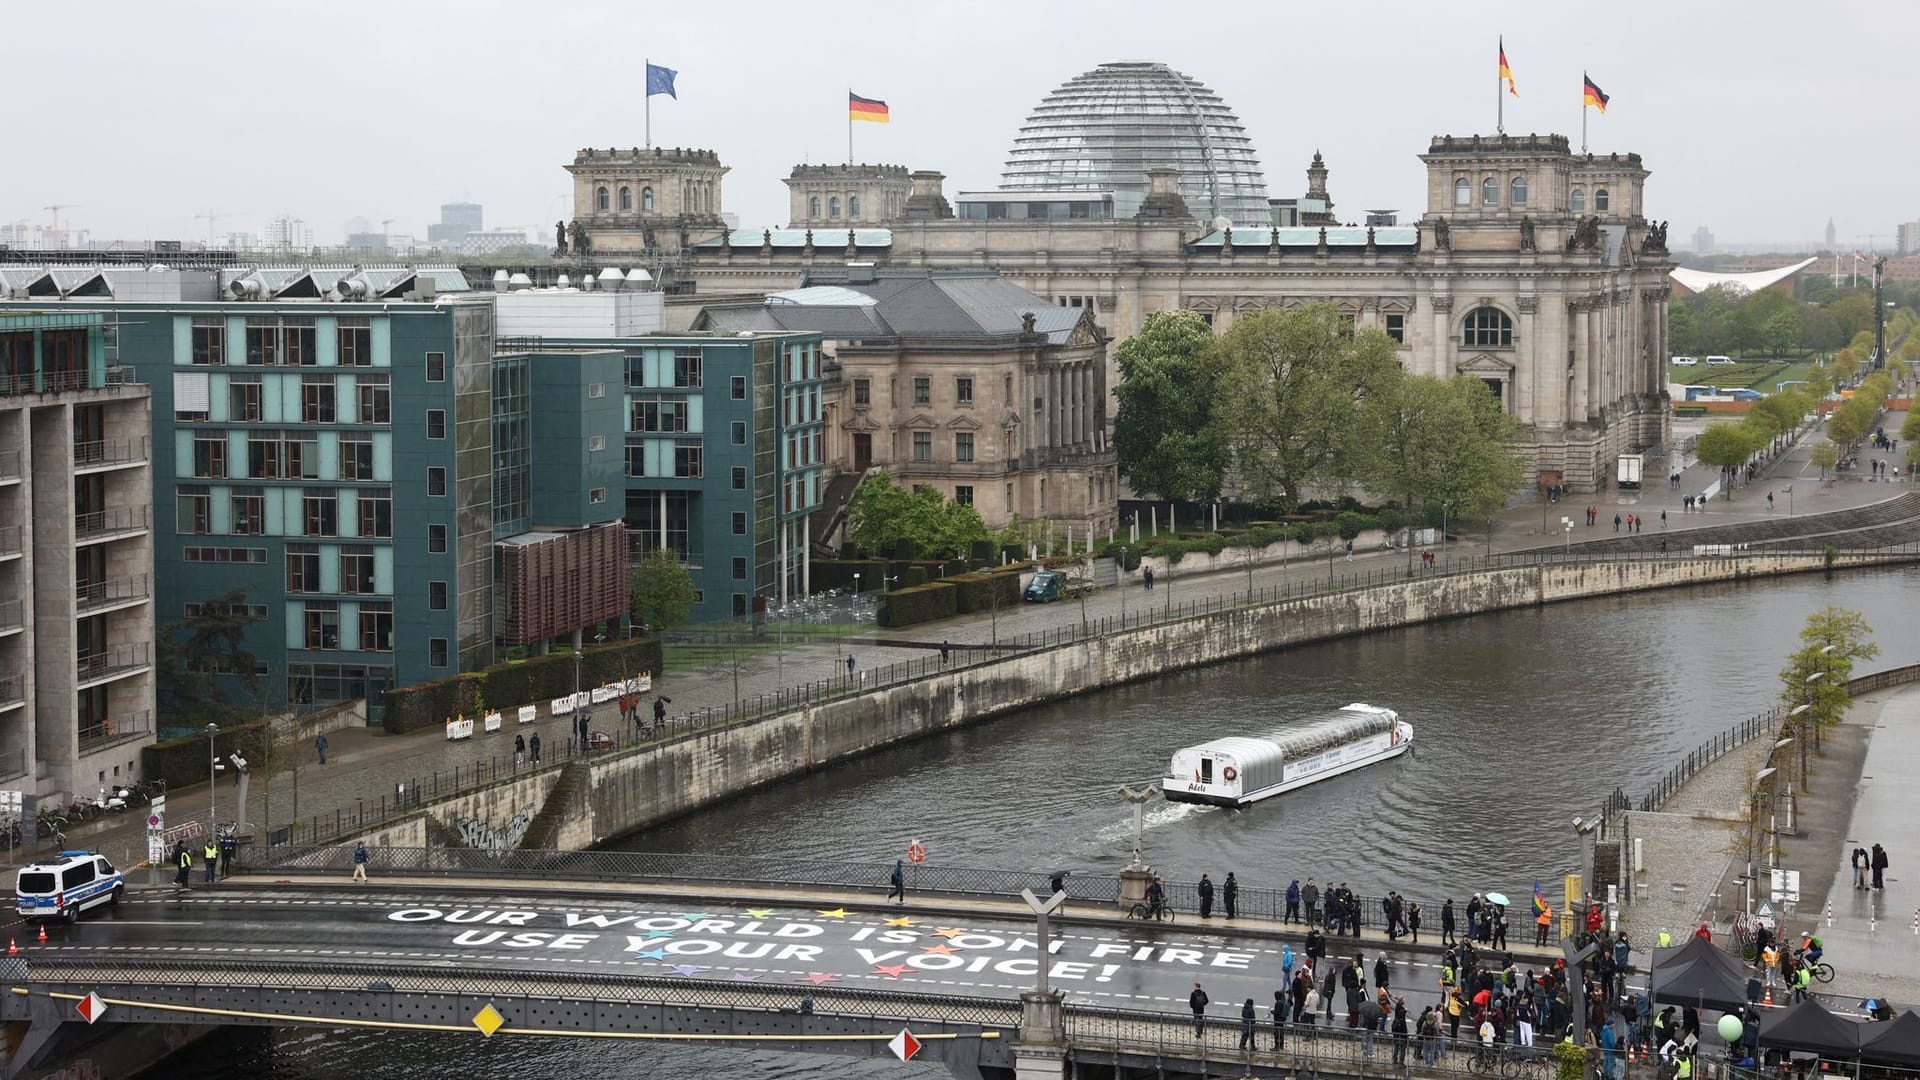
(366,765)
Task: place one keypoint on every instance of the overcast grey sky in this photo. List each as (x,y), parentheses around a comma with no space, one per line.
(1758,119)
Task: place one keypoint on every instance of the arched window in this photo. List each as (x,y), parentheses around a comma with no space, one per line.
(1579,200)
(1517,191)
(646,198)
(813,206)
(626,197)
(1462,192)
(1489,192)
(853,206)
(600,199)
(1485,328)
(833,206)
(1599,200)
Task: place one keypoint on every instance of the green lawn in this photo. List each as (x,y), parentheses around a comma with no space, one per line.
(1762,375)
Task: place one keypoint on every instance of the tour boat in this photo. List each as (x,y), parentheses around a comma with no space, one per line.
(1239,771)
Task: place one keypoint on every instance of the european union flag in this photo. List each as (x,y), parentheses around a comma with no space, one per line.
(660,81)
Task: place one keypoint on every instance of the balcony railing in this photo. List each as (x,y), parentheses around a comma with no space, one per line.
(110,452)
(107,522)
(9,464)
(46,382)
(114,662)
(13,689)
(643,542)
(13,615)
(99,594)
(12,539)
(115,729)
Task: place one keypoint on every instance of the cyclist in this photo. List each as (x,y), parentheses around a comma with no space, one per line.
(1811,947)
(1156,898)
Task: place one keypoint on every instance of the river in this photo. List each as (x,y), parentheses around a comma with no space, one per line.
(1523,719)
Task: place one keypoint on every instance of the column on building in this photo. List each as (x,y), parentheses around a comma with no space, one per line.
(1521,391)
(1580,385)
(785,527)
(1443,339)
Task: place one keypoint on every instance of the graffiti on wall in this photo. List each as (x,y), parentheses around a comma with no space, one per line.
(476,833)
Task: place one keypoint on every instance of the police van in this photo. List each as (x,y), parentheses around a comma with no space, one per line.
(69,884)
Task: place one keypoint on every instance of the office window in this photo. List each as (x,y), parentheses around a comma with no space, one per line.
(813,206)
(316,402)
(963,494)
(1579,200)
(963,446)
(436,367)
(263,339)
(1517,191)
(375,402)
(922,389)
(739,478)
(739,569)
(209,339)
(1462,192)
(437,539)
(686,460)
(436,480)
(303,568)
(356,340)
(626,197)
(646,199)
(737,387)
(436,595)
(302,457)
(600,200)
(833,206)
(436,423)
(1599,200)
(963,390)
(375,509)
(297,340)
(356,457)
(1487,327)
(657,415)
(320,510)
(636,461)
(686,367)
(322,624)
(853,206)
(249,514)
(194,513)
(210,456)
(1489,192)
(739,430)
(356,570)
(244,402)
(1397,327)
(596,443)
(376,628)
(437,652)
(923,446)
(739,523)
(863,391)
(376,515)
(597,495)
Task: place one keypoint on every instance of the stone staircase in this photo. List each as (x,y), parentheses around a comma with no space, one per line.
(544,833)
(1883,524)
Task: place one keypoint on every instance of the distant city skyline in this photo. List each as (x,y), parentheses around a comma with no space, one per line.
(1369,102)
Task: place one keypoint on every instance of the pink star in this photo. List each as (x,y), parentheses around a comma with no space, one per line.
(818,978)
(892,972)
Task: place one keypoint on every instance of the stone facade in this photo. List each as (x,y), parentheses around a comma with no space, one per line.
(836,196)
(637,199)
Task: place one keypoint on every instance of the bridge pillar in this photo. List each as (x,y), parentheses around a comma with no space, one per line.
(1133,885)
(1040,1049)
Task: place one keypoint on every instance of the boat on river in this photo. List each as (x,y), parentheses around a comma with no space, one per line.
(1240,771)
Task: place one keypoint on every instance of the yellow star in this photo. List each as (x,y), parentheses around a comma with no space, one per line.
(942,949)
(759,912)
(950,932)
(836,913)
(901,921)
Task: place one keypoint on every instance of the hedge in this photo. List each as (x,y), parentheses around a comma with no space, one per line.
(923,603)
(184,760)
(510,685)
(976,591)
(838,574)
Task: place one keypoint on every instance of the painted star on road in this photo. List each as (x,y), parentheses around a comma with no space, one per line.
(759,912)
(942,949)
(820,978)
(653,954)
(689,969)
(950,932)
(694,916)
(901,921)
(655,934)
(741,976)
(836,913)
(892,971)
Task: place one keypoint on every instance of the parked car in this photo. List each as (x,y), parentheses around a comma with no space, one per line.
(1047,585)
(1684,361)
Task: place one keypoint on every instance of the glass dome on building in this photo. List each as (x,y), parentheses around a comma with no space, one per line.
(1102,131)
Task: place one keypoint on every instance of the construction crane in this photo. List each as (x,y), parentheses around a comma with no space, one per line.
(210,217)
(55,210)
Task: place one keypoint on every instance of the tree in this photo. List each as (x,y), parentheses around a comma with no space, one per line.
(1853,312)
(1847,423)
(1290,386)
(1163,431)
(662,591)
(1819,330)
(882,514)
(1782,330)
(1780,413)
(1832,639)
(193,649)
(1443,443)
(1727,446)
(1825,456)
(1910,427)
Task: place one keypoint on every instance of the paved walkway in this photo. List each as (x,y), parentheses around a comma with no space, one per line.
(1872,942)
(366,765)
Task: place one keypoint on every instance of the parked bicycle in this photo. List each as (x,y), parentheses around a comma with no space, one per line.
(1151,912)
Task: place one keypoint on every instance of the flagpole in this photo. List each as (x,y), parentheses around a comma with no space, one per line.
(1499,93)
(849,126)
(645,64)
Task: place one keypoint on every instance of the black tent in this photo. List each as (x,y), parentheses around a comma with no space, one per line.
(1700,975)
(1810,1028)
(1699,950)
(1896,1042)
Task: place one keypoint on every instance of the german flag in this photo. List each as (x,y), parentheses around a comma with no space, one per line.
(871,110)
(1507,72)
(1592,94)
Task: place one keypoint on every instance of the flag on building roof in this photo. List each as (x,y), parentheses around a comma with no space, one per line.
(872,110)
(1505,71)
(1592,94)
(660,81)
(1539,899)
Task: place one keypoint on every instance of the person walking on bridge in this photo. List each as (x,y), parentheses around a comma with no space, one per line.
(1447,923)
(1248,1018)
(1197,1001)
(360,860)
(1879,866)
(183,860)
(898,880)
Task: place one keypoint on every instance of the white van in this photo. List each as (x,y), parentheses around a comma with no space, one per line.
(1684,361)
(69,884)
(1719,361)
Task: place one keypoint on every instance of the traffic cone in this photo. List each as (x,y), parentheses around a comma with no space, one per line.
(43,933)
(1768,999)
(13,947)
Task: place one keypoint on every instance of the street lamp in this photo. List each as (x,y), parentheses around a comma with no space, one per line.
(213,788)
(1139,801)
(1566,524)
(1121,577)
(579,696)
(1789,500)
(1041,909)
